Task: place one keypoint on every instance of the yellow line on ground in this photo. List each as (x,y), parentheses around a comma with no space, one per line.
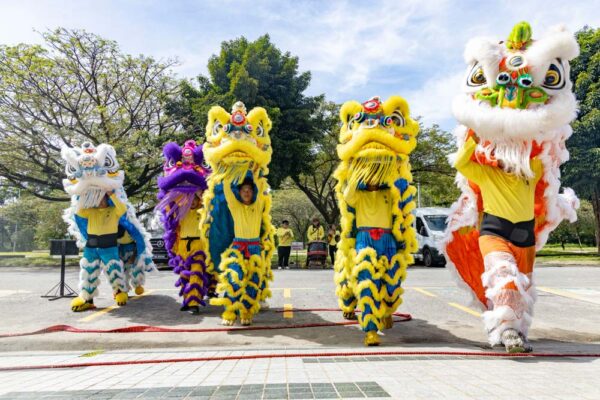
(108,309)
(423,291)
(567,294)
(287,311)
(287,292)
(92,353)
(98,313)
(465,309)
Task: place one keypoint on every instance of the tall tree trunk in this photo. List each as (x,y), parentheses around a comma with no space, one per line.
(596,208)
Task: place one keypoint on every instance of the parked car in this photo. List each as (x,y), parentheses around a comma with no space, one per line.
(430,224)
(159,252)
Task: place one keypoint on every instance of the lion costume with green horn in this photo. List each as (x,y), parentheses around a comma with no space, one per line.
(238,234)
(375,199)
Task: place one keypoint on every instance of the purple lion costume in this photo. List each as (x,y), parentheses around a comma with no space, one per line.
(180,195)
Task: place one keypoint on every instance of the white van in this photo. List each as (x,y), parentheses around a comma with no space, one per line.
(430,224)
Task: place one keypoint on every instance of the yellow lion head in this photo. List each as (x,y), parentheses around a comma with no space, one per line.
(238,139)
(374,130)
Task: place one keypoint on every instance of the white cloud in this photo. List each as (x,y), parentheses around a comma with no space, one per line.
(355,49)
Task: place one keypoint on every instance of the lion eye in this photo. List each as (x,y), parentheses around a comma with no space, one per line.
(216,128)
(260,131)
(398,118)
(71,170)
(109,162)
(554,78)
(476,76)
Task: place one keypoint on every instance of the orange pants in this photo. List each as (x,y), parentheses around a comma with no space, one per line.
(508,283)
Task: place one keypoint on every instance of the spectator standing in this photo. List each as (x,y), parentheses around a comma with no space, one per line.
(285,236)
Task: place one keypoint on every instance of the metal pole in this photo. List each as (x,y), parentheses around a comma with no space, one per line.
(63,250)
(418,194)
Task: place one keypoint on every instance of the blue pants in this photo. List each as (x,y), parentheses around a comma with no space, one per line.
(384,246)
(93,261)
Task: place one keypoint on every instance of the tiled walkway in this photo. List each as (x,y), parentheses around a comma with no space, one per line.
(412,377)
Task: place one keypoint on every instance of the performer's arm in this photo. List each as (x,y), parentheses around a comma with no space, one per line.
(120,207)
(350,195)
(538,169)
(83,212)
(464,164)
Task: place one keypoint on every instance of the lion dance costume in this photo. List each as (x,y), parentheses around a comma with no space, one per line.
(239,236)
(514,117)
(376,199)
(125,254)
(181,188)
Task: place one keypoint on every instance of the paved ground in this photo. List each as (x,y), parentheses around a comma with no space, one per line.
(567,320)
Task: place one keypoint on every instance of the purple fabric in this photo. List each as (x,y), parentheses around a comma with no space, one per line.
(184,177)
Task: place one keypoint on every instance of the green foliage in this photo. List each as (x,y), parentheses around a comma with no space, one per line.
(258,74)
(29,223)
(431,169)
(79,87)
(582,171)
(581,232)
(318,184)
(291,204)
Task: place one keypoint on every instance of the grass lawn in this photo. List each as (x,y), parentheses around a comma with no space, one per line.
(572,254)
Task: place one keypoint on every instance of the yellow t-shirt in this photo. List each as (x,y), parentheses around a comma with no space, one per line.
(504,195)
(373,208)
(247,219)
(190,224)
(125,239)
(285,236)
(104,221)
(332,241)
(315,233)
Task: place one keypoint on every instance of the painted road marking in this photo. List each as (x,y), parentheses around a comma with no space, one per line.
(92,353)
(423,291)
(568,294)
(108,309)
(287,311)
(287,293)
(6,293)
(455,305)
(465,309)
(98,313)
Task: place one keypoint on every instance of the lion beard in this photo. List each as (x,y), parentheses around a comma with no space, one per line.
(373,170)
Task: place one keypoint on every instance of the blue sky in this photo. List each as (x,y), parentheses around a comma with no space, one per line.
(354,49)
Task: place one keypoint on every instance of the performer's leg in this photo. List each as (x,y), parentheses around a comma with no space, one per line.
(507,280)
(280,257)
(391,290)
(113,266)
(195,271)
(286,257)
(344,283)
(332,254)
(125,254)
(89,279)
(367,291)
(231,285)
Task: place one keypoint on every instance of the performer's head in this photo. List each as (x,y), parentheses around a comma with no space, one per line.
(197,201)
(247,191)
(285,223)
(104,201)
(315,221)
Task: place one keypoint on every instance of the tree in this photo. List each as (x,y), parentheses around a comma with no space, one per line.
(258,74)
(29,223)
(318,184)
(291,204)
(80,87)
(430,167)
(582,172)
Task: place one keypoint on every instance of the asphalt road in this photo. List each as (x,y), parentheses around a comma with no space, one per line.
(567,314)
